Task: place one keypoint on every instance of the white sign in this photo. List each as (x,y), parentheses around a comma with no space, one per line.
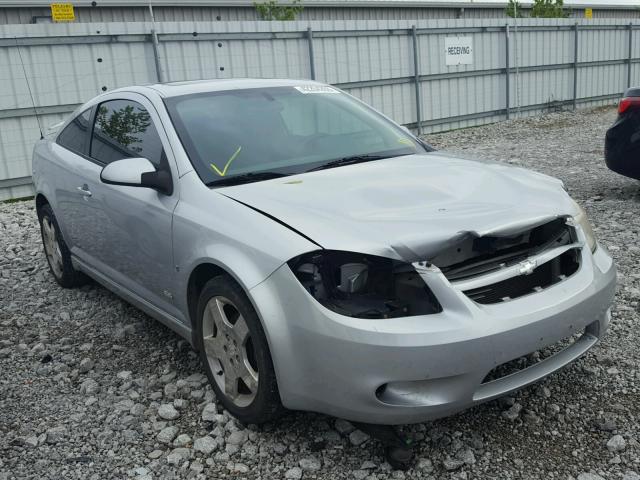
(316,89)
(458,50)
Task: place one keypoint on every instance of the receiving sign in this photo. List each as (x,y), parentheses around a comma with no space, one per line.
(458,50)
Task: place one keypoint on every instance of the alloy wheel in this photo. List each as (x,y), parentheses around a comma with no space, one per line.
(51,246)
(229,350)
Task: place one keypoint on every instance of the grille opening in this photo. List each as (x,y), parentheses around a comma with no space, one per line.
(518,364)
(474,256)
(546,275)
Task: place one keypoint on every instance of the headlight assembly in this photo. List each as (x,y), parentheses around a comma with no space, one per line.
(364,286)
(582,220)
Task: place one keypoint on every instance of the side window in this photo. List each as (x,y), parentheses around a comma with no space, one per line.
(74,135)
(123,129)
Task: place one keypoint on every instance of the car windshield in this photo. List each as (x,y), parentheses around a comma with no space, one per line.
(239,136)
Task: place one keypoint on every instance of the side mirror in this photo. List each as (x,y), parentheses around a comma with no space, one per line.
(136,172)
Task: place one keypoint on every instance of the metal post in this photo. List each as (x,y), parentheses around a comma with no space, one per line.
(416,79)
(156,49)
(156,55)
(507,68)
(575,67)
(516,60)
(630,55)
(312,63)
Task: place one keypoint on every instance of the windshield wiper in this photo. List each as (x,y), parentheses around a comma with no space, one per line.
(245,178)
(350,161)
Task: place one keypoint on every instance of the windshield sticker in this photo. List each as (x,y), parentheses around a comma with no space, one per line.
(226,167)
(316,89)
(406,141)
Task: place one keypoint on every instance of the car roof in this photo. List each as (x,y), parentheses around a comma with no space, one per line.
(174,89)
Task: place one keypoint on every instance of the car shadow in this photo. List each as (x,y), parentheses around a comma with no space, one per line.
(630,190)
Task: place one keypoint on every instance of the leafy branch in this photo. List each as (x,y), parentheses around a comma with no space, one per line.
(548,9)
(539,9)
(272,10)
(514,9)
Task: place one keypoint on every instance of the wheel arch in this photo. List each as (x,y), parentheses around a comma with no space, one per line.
(41,201)
(198,278)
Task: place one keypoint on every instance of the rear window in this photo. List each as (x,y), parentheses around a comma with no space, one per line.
(74,135)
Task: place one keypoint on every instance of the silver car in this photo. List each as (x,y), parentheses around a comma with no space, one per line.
(318,255)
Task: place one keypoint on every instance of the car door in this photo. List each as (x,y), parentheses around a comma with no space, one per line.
(67,169)
(126,231)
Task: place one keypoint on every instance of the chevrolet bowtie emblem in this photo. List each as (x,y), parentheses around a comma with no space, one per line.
(527,267)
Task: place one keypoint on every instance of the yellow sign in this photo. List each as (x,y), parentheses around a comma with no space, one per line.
(588,13)
(62,12)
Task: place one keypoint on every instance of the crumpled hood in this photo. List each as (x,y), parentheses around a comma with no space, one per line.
(409,207)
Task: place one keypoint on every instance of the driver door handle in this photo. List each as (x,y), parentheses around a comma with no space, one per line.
(84,190)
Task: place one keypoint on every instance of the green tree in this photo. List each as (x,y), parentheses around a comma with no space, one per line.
(272,10)
(514,9)
(548,9)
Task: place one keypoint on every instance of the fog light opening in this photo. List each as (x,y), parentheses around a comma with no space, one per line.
(380,391)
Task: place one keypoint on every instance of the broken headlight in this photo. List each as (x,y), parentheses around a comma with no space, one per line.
(582,220)
(364,286)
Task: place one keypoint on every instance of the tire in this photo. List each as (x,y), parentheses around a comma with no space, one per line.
(226,345)
(57,252)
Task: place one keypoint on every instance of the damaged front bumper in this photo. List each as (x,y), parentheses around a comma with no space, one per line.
(413,369)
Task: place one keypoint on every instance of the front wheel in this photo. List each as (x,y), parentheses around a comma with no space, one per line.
(235,354)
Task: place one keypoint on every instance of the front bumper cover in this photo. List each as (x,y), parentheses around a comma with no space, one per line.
(434,365)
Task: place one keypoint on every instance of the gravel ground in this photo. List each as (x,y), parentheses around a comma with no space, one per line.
(91,388)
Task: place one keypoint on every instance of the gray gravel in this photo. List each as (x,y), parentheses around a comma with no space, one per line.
(91,388)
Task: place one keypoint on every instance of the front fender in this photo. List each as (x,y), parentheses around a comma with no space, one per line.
(210,228)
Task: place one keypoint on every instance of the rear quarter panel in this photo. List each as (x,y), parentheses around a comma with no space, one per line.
(43,166)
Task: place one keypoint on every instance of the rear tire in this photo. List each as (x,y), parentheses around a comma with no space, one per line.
(57,252)
(235,354)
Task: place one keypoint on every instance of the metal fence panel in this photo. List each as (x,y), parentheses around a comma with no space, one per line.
(352,59)
(489,52)
(17,136)
(456,97)
(601,80)
(543,87)
(235,58)
(395,101)
(534,48)
(635,74)
(371,59)
(598,44)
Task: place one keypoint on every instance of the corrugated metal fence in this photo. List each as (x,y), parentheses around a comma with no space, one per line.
(172,11)
(540,65)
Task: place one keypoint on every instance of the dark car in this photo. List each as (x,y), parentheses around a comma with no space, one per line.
(622,145)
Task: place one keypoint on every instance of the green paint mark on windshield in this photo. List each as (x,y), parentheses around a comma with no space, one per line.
(223,172)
